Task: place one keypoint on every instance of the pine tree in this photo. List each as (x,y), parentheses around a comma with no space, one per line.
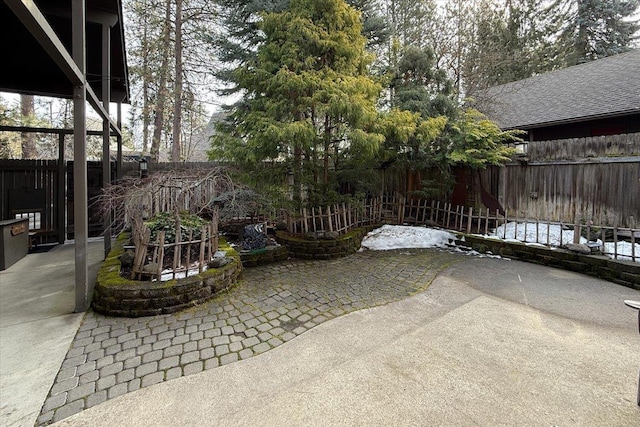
(419,87)
(239,36)
(510,43)
(592,29)
(310,100)
(170,55)
(29,150)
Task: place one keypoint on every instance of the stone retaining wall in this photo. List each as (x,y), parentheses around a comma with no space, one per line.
(625,273)
(116,296)
(322,248)
(268,255)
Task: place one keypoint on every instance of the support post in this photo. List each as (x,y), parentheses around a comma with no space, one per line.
(80,198)
(62,197)
(119,173)
(106,128)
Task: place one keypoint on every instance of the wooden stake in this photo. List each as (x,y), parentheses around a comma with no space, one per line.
(161,255)
(203,245)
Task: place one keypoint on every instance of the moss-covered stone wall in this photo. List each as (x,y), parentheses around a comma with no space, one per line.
(115,295)
(268,255)
(625,273)
(320,248)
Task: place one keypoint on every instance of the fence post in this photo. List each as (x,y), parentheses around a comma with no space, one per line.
(469,221)
(576,230)
(504,222)
(347,225)
(615,240)
(160,255)
(305,225)
(203,243)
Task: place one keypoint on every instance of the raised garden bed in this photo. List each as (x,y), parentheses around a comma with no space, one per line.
(268,255)
(322,246)
(115,295)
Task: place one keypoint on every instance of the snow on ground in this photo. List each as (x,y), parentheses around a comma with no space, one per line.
(404,237)
(624,250)
(526,232)
(550,235)
(390,237)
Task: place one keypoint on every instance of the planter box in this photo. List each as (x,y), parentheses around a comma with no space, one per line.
(14,241)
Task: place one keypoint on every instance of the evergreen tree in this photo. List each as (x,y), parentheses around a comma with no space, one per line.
(419,87)
(592,29)
(510,43)
(310,100)
(238,36)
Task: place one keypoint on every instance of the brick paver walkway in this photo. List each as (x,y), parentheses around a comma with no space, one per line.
(272,305)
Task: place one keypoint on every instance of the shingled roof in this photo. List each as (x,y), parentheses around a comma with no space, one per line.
(608,87)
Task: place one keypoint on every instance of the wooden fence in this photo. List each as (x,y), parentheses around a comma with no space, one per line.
(34,189)
(596,177)
(397,209)
(609,146)
(603,190)
(526,229)
(337,218)
(184,256)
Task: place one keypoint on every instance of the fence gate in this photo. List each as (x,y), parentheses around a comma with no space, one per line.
(34,189)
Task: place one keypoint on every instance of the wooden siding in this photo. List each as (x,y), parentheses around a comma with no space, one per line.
(624,145)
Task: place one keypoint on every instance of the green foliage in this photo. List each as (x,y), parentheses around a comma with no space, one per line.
(477,142)
(470,140)
(9,141)
(310,102)
(592,29)
(420,87)
(512,41)
(167,221)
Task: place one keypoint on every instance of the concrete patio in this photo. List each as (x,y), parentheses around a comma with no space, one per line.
(355,341)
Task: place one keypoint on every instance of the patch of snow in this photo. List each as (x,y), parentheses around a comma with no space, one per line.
(390,237)
(625,250)
(516,233)
(526,232)
(168,274)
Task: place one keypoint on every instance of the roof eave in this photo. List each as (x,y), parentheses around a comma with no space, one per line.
(574,120)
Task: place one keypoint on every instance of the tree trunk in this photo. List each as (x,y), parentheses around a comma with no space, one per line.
(158,121)
(146,81)
(297,174)
(177,107)
(29,150)
(327,143)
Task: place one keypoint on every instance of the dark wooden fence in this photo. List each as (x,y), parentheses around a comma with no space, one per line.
(34,189)
(42,191)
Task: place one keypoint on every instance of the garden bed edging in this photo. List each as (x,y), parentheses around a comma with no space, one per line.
(625,273)
(115,295)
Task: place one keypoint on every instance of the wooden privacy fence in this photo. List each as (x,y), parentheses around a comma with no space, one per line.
(35,190)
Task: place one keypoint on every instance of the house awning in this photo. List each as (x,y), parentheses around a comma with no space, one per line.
(27,68)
